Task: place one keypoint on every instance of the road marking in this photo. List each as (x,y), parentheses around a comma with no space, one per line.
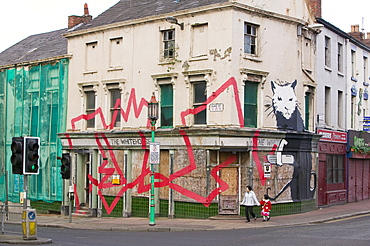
(347,218)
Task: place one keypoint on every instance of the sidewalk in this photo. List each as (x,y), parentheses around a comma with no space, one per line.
(216,223)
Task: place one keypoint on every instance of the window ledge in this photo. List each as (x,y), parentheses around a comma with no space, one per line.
(248,57)
(199,58)
(328,69)
(354,79)
(112,69)
(90,72)
(340,74)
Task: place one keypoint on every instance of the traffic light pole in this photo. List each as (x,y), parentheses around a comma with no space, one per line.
(25,187)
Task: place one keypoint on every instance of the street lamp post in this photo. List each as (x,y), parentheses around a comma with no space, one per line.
(153,111)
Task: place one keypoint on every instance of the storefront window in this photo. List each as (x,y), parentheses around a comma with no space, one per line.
(334,169)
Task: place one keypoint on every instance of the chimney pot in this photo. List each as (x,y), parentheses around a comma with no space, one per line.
(86,9)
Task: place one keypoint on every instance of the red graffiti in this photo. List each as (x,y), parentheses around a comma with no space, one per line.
(108,154)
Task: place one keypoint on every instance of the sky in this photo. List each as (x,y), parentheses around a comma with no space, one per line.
(22,18)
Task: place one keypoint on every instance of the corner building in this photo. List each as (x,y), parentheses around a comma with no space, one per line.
(235,81)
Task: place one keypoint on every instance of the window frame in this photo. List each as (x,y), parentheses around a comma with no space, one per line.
(249,104)
(335,174)
(89,90)
(201,117)
(168,44)
(252,44)
(327,47)
(166,110)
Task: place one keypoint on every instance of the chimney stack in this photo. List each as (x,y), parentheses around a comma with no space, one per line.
(355,28)
(316,8)
(74,20)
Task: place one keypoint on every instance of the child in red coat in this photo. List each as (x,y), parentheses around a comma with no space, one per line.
(265,208)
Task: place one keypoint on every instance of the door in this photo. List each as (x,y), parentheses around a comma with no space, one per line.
(229,199)
(321,182)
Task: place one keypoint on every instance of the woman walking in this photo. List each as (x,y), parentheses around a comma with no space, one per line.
(249,201)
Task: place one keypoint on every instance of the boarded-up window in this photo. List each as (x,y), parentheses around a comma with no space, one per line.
(91,56)
(200,40)
(115,52)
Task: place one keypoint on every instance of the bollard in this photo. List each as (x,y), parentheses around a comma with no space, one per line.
(29,224)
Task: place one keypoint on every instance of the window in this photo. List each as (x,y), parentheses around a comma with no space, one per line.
(115,107)
(327,52)
(327,105)
(200,40)
(250,104)
(91,56)
(115,52)
(334,169)
(166,105)
(250,39)
(89,105)
(169,44)
(365,69)
(353,110)
(353,64)
(340,109)
(307,99)
(340,57)
(199,97)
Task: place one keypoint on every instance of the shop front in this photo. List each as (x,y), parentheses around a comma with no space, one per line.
(332,185)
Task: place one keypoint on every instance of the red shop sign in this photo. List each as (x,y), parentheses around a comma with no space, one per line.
(332,136)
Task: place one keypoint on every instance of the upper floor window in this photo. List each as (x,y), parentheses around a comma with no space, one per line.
(115,52)
(199,97)
(91,56)
(169,44)
(89,105)
(166,105)
(365,69)
(199,40)
(340,109)
(327,106)
(353,64)
(250,104)
(250,39)
(115,106)
(327,51)
(340,57)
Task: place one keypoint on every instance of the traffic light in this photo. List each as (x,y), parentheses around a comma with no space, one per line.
(31,155)
(65,168)
(17,155)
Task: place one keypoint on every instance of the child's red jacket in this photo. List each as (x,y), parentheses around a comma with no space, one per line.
(265,205)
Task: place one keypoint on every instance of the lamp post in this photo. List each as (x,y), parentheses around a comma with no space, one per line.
(153,111)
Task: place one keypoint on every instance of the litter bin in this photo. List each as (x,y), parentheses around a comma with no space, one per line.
(29,224)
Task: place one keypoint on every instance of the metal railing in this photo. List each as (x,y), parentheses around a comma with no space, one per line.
(10,214)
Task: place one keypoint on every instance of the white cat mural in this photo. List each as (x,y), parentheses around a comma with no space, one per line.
(285,106)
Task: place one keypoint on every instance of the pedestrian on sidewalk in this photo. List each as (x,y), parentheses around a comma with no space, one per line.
(265,208)
(249,201)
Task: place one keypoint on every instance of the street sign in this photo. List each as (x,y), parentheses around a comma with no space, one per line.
(154,153)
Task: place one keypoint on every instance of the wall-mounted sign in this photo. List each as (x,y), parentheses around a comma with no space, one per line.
(354,91)
(366,126)
(216,107)
(267,170)
(154,153)
(332,136)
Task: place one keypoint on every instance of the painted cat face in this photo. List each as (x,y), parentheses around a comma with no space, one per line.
(284,99)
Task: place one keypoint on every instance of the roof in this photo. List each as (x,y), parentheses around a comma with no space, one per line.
(126,10)
(343,34)
(35,47)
